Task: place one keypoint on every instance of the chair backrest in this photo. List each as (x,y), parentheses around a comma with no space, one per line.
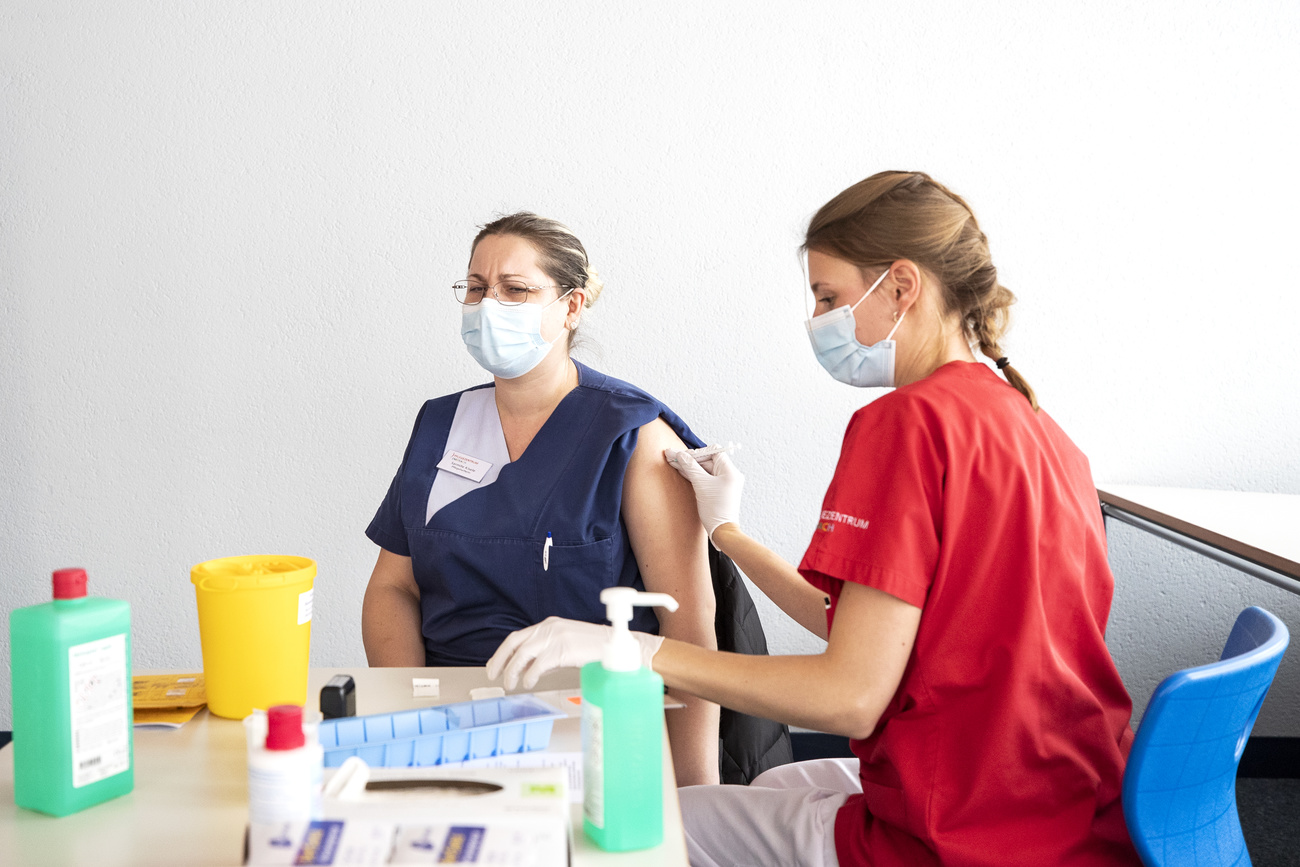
(748,745)
(1180,796)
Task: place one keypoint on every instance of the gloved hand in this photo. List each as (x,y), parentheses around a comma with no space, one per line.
(717,490)
(527,654)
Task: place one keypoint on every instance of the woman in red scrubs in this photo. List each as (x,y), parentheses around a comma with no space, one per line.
(958,569)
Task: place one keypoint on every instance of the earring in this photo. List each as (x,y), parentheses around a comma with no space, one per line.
(895,315)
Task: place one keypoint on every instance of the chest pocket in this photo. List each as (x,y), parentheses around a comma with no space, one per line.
(577,572)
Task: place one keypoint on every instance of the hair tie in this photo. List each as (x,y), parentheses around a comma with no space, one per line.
(1003,362)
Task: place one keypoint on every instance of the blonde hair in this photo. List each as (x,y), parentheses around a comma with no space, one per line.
(559,252)
(909,215)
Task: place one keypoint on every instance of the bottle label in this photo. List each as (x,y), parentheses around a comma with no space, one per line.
(101,732)
(593,764)
(284,785)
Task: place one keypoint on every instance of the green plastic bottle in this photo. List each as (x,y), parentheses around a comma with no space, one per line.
(71,666)
(622,735)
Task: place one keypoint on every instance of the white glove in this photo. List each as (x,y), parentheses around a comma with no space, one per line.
(717,490)
(557,643)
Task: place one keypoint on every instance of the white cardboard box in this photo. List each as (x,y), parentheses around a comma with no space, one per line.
(500,816)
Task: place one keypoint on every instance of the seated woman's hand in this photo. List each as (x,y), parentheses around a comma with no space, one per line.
(527,654)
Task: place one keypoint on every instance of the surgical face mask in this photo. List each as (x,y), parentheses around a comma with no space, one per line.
(505,341)
(835,342)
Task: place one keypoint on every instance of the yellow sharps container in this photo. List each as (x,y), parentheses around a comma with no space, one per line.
(255,628)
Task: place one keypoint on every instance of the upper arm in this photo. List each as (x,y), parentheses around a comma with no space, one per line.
(870,644)
(393,572)
(390,614)
(667,537)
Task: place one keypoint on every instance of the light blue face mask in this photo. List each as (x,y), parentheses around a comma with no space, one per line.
(505,341)
(835,342)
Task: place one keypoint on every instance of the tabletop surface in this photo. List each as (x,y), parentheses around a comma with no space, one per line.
(190,803)
(1264,528)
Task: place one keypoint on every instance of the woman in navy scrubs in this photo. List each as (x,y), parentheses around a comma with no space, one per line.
(525,497)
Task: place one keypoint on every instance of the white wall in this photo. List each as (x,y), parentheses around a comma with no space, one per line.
(227,232)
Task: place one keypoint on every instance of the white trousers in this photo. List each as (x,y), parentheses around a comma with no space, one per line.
(785,817)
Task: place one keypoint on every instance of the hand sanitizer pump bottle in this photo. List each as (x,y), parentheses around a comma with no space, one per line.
(622,735)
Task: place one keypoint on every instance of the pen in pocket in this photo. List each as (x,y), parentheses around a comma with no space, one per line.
(546,553)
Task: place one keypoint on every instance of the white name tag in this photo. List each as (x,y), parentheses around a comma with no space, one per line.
(464,465)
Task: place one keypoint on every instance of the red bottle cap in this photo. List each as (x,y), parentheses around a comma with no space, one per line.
(284,727)
(69,583)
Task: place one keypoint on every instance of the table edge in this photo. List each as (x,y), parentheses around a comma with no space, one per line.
(1229,545)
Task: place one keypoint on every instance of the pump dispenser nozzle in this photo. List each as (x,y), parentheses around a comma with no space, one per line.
(623,653)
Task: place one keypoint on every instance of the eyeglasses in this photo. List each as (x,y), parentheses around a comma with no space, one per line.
(509,292)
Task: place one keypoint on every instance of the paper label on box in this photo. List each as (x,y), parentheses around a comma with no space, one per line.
(593,764)
(496,841)
(320,844)
(101,731)
(304,606)
(463,843)
(275,843)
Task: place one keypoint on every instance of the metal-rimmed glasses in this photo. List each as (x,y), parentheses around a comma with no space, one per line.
(509,293)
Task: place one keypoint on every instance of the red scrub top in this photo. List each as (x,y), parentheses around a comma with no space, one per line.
(1006,741)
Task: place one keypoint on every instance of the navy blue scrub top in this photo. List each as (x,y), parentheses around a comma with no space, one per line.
(478,560)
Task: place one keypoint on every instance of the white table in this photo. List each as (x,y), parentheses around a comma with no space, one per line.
(1256,533)
(190,803)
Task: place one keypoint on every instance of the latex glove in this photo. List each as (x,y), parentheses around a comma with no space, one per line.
(717,491)
(527,654)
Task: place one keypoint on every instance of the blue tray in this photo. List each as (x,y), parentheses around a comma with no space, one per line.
(436,735)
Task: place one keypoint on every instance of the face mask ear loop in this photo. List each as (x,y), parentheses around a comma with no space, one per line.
(890,335)
(879,280)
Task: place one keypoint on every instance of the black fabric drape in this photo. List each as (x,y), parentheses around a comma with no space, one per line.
(748,745)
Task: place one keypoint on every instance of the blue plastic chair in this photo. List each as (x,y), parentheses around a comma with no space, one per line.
(1180,794)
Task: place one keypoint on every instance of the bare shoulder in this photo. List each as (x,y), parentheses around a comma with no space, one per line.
(655,496)
(651,441)
(667,537)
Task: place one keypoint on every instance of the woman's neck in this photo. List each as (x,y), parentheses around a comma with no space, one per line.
(535,394)
(946,345)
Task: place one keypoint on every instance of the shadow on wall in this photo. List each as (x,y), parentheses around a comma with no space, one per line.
(1171,609)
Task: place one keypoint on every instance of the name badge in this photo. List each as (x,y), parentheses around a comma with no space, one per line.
(464,465)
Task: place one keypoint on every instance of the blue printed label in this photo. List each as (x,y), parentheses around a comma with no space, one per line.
(462,846)
(320,844)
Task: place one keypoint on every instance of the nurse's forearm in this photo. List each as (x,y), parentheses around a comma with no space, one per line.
(391,628)
(778,580)
(804,691)
(843,690)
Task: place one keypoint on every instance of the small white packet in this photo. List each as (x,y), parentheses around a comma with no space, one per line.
(424,687)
